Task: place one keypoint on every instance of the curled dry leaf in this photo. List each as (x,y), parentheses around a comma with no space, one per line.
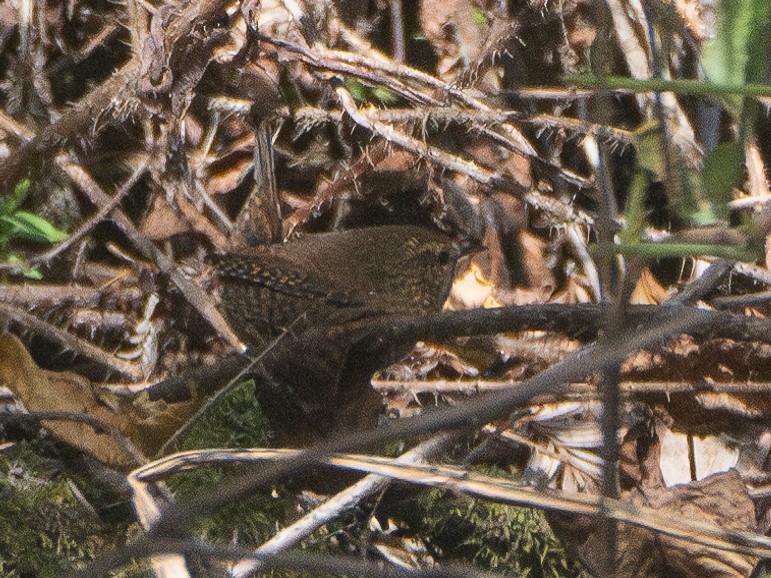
(648,290)
(144,425)
(472,289)
(720,499)
(42,391)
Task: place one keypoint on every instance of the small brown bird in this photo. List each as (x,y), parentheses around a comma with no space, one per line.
(314,382)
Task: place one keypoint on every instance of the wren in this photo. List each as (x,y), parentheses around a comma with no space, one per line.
(284,301)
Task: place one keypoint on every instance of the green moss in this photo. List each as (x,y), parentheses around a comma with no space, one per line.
(233,421)
(508,539)
(44,529)
(236,420)
(511,540)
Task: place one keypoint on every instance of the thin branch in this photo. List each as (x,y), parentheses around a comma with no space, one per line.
(561,211)
(708,280)
(574,391)
(93,221)
(194,295)
(500,490)
(397,31)
(381,71)
(336,506)
(308,563)
(582,322)
(477,412)
(78,346)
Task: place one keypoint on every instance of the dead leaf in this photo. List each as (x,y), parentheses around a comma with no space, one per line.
(471,290)
(641,553)
(42,391)
(162,221)
(145,425)
(449,26)
(648,290)
(229,174)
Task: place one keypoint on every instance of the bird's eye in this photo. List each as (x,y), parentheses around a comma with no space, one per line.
(444,257)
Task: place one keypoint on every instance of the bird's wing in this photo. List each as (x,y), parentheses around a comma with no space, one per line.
(277,274)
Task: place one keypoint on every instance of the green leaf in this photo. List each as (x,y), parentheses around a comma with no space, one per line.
(20,265)
(723,172)
(650,149)
(33,273)
(10,204)
(739,43)
(635,208)
(356,89)
(384,95)
(31,227)
(677,250)
(679,86)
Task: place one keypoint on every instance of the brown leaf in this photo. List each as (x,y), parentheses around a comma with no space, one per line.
(42,391)
(162,221)
(450,27)
(721,499)
(145,425)
(648,290)
(472,289)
